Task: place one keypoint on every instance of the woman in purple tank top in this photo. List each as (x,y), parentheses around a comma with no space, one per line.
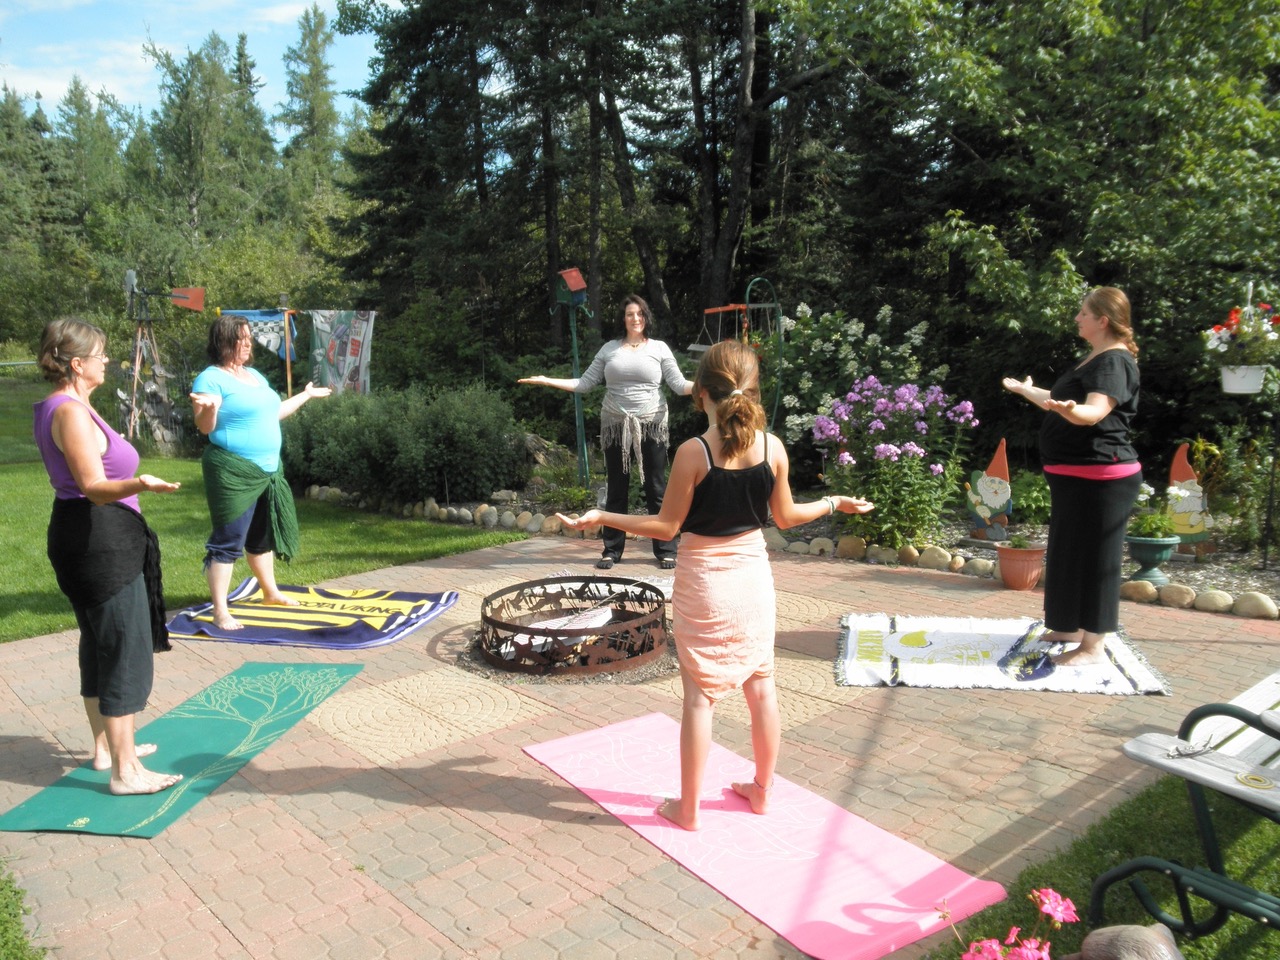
(105,557)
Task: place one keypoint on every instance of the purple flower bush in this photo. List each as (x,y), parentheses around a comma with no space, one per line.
(901,447)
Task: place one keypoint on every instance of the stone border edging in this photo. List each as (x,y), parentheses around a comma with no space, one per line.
(1251,604)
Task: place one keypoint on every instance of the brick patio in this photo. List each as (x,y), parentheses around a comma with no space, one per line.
(402,820)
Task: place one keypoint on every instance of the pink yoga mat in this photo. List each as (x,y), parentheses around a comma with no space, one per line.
(831,883)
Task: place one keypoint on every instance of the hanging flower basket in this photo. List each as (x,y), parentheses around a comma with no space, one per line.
(1244,344)
(1242,379)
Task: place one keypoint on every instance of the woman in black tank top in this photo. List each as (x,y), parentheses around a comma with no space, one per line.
(723,487)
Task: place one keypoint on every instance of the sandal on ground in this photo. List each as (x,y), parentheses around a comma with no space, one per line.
(667,563)
(605,563)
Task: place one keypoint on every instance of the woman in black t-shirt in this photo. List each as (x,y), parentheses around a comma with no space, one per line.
(1093,474)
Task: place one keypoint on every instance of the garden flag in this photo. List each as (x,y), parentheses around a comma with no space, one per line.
(340,348)
(267,327)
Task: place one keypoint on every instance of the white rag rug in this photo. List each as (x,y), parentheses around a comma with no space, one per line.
(878,649)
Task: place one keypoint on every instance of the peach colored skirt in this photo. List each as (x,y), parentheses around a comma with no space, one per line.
(723,611)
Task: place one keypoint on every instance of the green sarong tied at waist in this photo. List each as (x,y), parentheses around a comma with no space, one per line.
(233,484)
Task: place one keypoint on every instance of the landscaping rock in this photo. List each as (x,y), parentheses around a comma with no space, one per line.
(523,518)
(480,512)
(431,509)
(1177,595)
(773,539)
(419,509)
(465,516)
(450,514)
(956,564)
(821,546)
(879,554)
(908,555)
(1257,606)
(489,519)
(322,492)
(552,526)
(979,567)
(508,520)
(934,558)
(1139,591)
(1129,942)
(798,547)
(1214,601)
(504,496)
(851,548)
(333,495)
(534,524)
(312,492)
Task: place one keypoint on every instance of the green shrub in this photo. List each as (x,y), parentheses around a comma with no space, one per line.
(407,445)
(1029,491)
(1236,485)
(475,446)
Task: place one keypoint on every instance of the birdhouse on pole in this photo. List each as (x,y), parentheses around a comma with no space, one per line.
(571,289)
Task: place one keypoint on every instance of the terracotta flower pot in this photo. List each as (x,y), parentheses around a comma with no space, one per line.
(1020,567)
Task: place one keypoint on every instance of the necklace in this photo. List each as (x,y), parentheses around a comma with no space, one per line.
(635,344)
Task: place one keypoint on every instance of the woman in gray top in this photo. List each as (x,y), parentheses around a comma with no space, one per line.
(633,419)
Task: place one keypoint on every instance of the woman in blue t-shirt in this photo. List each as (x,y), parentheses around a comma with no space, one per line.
(250,503)
(1093,474)
(724,486)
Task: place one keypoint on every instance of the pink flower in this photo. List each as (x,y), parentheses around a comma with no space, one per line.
(984,950)
(1055,906)
(1013,935)
(1029,950)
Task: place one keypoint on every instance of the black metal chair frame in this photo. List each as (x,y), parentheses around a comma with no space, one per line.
(1208,883)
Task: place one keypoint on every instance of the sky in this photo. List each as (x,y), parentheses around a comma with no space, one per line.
(44,43)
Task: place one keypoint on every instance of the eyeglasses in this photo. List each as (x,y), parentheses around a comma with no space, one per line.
(97,356)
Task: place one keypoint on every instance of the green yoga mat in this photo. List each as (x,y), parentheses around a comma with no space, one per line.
(206,739)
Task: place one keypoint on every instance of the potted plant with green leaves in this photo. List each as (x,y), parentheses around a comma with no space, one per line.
(1021,562)
(1150,535)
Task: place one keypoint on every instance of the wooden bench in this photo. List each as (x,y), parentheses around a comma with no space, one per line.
(1230,748)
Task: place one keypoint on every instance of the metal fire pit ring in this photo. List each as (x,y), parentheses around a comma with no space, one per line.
(573,625)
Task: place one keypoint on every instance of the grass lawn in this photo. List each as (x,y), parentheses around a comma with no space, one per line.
(1157,822)
(17,393)
(335,541)
(14,944)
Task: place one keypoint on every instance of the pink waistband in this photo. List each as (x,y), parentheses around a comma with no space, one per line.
(1095,471)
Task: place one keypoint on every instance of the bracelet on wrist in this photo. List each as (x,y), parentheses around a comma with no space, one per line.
(831,505)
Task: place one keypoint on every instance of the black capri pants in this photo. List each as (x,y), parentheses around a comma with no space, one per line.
(1084,564)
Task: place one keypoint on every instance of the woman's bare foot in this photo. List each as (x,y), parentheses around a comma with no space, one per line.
(226,621)
(1080,657)
(279,600)
(755,795)
(1061,636)
(670,810)
(140,780)
(103,761)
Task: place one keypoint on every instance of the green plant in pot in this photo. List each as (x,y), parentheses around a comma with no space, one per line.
(1150,535)
(1021,561)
